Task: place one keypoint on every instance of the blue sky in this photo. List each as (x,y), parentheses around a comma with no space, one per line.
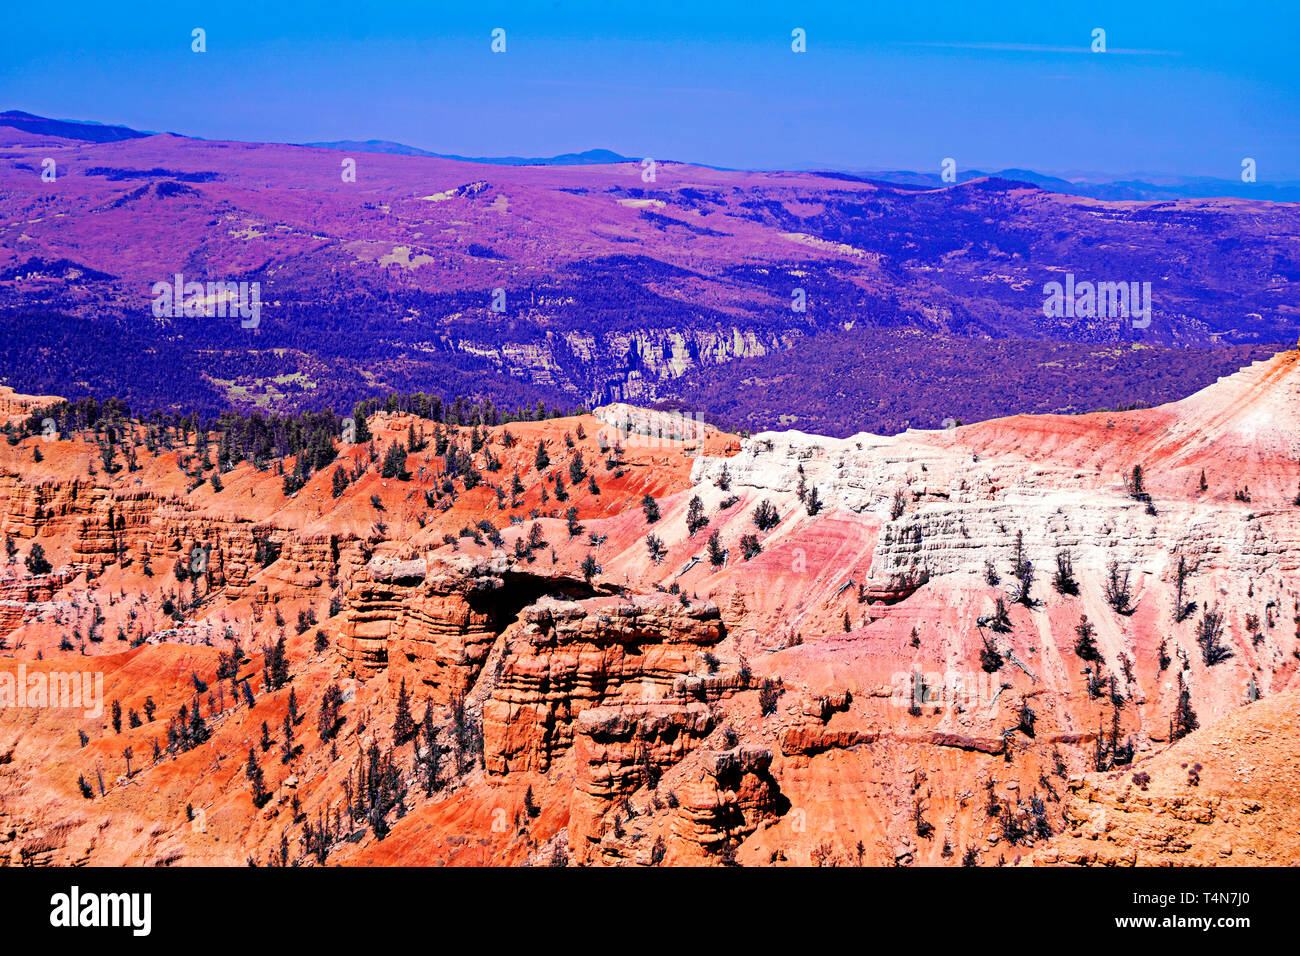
(1184,88)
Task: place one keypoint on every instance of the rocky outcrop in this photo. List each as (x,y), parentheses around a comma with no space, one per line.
(621,749)
(1225,795)
(428,624)
(14,406)
(634,365)
(569,656)
(736,793)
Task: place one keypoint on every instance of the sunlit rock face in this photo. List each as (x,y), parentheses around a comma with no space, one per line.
(948,646)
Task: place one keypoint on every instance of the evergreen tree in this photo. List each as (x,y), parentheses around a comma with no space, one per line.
(197,731)
(403,723)
(716,553)
(577,468)
(395,462)
(414,442)
(1184,721)
(361,433)
(36,561)
(257,783)
(695,518)
(276,669)
(766,516)
(328,722)
(536,537)
(1086,644)
(432,753)
(287,749)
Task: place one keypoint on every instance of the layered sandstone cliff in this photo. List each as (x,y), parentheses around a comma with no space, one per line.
(965,646)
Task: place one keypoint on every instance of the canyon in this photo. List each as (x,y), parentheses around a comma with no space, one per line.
(636,639)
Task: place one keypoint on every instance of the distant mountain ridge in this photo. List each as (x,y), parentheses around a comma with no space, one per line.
(589,157)
(1135,190)
(68,129)
(1120,190)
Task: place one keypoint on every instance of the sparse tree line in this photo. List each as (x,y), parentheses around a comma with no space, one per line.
(1209,636)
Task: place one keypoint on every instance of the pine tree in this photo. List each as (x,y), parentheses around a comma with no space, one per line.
(651,509)
(716,553)
(766,516)
(432,754)
(1184,721)
(287,748)
(395,462)
(1064,581)
(724,478)
(536,537)
(328,722)
(256,781)
(541,461)
(695,518)
(813,502)
(1137,484)
(1086,644)
(36,561)
(276,667)
(361,433)
(577,468)
(403,723)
